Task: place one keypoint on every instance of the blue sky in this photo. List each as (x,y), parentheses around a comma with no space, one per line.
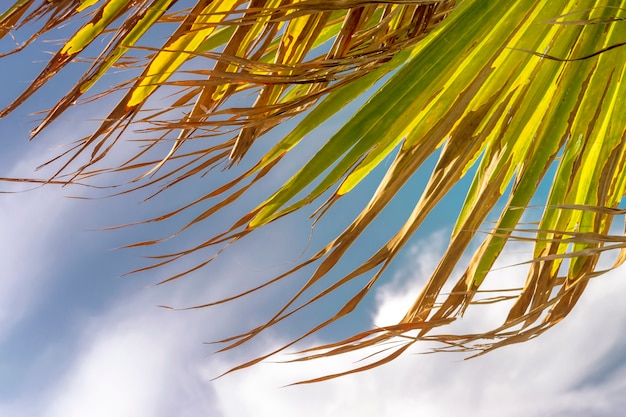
(75,339)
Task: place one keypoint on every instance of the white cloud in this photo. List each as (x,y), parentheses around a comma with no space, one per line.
(133,361)
(123,357)
(28,222)
(577,368)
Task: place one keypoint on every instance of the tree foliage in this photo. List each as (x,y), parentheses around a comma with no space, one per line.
(509,93)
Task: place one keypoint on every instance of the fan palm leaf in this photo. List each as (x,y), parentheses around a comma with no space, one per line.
(509,93)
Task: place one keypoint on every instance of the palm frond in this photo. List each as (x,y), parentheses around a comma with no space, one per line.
(507,92)
(268,46)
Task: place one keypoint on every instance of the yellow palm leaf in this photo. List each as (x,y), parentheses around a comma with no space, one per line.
(509,93)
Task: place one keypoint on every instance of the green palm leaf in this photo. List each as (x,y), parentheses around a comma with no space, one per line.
(507,92)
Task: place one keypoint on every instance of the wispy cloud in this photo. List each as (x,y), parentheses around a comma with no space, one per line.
(28,222)
(128,358)
(556,374)
(133,361)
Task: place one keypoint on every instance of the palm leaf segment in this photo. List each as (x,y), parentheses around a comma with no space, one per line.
(523,90)
(264,45)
